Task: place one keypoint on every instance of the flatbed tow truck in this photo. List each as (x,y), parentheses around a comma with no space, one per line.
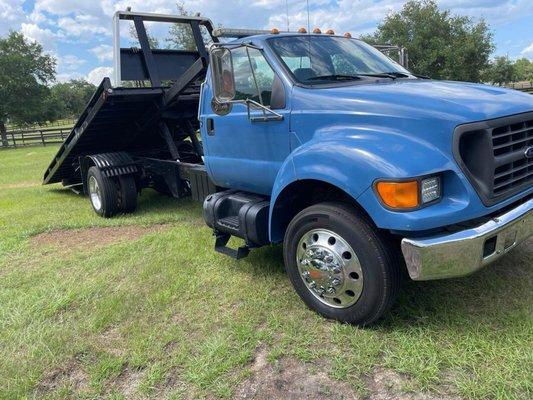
(361,168)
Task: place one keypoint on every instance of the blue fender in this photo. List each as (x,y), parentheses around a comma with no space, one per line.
(353,158)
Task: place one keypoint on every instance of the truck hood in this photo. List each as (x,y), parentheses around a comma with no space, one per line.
(459,102)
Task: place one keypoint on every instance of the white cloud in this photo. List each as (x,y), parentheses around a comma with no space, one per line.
(66,7)
(104,52)
(11,14)
(70,62)
(68,76)
(45,37)
(98,74)
(83,24)
(528,51)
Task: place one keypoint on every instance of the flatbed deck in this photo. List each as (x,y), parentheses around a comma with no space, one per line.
(151,118)
(108,124)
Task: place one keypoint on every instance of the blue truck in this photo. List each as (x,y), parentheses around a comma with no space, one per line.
(363,171)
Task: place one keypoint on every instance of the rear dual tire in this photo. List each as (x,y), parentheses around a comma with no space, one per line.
(111,196)
(340,265)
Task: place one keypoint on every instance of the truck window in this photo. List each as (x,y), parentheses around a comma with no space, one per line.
(327,56)
(297,62)
(245,85)
(342,65)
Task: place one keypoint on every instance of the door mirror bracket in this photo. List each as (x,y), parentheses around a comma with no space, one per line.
(223,79)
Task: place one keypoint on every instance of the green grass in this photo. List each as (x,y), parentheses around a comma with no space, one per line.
(167,308)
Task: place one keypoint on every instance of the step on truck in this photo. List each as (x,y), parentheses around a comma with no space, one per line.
(363,171)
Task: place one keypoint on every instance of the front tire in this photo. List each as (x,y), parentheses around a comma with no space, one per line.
(340,265)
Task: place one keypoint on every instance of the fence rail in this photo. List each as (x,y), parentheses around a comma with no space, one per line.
(523,86)
(35,137)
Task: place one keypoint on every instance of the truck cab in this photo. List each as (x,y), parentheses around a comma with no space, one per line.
(356,158)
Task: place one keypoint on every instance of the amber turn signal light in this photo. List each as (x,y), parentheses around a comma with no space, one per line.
(400,195)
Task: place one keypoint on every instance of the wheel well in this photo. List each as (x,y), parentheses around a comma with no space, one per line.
(302,194)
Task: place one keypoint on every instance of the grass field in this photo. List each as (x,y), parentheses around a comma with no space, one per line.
(141,306)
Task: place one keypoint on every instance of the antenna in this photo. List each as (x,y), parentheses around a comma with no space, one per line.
(288,23)
(308,18)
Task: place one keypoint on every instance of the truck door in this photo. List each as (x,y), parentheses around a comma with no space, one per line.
(239,153)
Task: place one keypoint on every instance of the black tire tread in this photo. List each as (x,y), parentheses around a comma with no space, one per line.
(110,206)
(128,193)
(380,241)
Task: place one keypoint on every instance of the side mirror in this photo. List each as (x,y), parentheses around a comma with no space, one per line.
(222,74)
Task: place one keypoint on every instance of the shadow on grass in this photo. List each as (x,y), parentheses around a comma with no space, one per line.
(149,201)
(61,191)
(485,298)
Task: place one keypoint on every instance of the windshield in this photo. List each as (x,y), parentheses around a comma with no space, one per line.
(320,59)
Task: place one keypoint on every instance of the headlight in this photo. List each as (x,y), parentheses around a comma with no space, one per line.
(430,189)
(409,194)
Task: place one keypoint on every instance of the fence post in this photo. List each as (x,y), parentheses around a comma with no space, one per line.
(42,137)
(3,133)
(13,137)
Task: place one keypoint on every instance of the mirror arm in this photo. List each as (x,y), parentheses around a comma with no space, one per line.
(255,80)
(274,116)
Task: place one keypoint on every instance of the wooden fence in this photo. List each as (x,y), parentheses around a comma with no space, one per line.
(523,86)
(35,136)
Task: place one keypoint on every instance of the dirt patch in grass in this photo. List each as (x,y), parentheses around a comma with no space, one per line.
(127,383)
(111,341)
(385,384)
(289,378)
(72,375)
(78,239)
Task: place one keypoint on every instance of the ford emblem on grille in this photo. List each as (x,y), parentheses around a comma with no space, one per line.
(529,152)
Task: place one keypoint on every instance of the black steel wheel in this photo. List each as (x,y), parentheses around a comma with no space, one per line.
(127,194)
(103,193)
(340,265)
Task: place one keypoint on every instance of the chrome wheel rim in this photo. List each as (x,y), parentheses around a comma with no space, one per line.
(329,268)
(94,193)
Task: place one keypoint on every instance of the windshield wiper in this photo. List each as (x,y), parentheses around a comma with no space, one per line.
(397,74)
(391,75)
(333,77)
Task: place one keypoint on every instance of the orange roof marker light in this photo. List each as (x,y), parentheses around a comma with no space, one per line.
(317,31)
(348,35)
(302,30)
(274,31)
(330,32)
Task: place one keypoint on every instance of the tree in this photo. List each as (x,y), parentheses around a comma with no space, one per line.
(439,45)
(523,69)
(180,35)
(70,98)
(24,73)
(500,71)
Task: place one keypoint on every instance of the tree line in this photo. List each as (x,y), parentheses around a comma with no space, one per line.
(28,91)
(439,44)
(446,46)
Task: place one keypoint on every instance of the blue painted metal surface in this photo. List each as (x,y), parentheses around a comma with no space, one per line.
(352,135)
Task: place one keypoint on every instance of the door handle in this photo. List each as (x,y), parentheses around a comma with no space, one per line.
(210,126)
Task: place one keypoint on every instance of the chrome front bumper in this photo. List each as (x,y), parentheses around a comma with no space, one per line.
(464,252)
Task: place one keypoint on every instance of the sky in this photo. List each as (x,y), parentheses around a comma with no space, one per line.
(79,32)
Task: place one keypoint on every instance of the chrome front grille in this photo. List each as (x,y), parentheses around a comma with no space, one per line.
(497,155)
(512,167)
